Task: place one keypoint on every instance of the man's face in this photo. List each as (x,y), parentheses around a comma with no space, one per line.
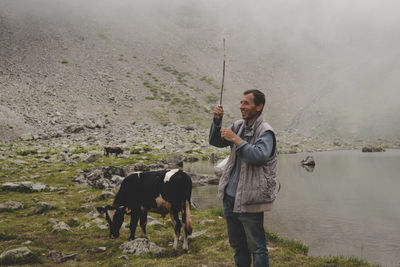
(248,108)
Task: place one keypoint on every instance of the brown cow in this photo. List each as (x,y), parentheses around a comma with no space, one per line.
(112,149)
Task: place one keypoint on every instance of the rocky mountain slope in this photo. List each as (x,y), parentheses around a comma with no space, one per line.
(118,66)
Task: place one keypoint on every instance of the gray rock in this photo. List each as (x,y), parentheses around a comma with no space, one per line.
(10,205)
(76,156)
(203,179)
(98,221)
(373,149)
(92,158)
(18,253)
(197,234)
(71,162)
(38,187)
(27,137)
(106,195)
(61,226)
(85,226)
(88,206)
(74,128)
(59,257)
(53,221)
(19,162)
(41,207)
(92,214)
(117,179)
(96,250)
(308,161)
(23,186)
(151,221)
(203,222)
(89,124)
(99,124)
(141,246)
(102,226)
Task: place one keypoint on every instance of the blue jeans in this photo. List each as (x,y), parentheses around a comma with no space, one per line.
(246,235)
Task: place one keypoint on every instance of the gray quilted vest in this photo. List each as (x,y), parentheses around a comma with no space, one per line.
(257,183)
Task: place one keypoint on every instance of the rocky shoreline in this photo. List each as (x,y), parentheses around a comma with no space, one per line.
(146,147)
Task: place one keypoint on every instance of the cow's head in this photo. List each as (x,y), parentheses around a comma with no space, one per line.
(114,217)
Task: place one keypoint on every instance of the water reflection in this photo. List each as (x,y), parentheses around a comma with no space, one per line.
(349,204)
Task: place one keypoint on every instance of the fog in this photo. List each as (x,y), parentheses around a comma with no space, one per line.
(327,67)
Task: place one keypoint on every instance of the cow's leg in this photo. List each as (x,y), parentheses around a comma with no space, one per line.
(185,230)
(134,221)
(143,223)
(177,226)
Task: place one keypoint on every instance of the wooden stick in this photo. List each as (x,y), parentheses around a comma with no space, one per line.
(223,77)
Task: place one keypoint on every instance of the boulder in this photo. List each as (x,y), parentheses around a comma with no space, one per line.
(106,195)
(85,226)
(26,186)
(27,137)
(92,214)
(71,162)
(10,205)
(74,128)
(22,255)
(203,179)
(204,222)
(99,124)
(197,234)
(92,158)
(151,221)
(308,161)
(59,257)
(96,250)
(89,124)
(141,246)
(41,207)
(61,226)
(373,149)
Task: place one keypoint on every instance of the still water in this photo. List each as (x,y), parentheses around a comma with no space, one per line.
(348,205)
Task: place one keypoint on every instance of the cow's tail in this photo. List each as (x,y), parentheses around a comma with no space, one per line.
(188,219)
(186,205)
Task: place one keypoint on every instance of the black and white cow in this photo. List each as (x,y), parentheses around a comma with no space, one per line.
(162,192)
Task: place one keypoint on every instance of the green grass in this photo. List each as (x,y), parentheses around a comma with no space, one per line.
(180,76)
(210,99)
(210,82)
(211,248)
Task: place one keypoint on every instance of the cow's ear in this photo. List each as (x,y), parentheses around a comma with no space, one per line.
(101,210)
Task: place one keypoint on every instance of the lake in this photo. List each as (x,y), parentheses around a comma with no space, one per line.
(348,205)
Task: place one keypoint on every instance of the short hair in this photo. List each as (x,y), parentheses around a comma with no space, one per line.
(259,97)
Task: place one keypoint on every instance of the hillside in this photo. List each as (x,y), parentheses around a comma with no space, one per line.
(127,63)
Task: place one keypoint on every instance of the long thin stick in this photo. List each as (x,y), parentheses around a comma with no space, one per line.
(223,77)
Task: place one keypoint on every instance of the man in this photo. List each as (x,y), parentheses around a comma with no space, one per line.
(247,186)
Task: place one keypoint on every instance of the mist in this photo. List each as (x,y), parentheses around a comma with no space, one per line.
(327,67)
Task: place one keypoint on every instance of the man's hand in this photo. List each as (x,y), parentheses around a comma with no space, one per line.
(230,136)
(218,113)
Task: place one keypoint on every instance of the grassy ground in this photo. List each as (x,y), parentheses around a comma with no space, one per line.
(19,226)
